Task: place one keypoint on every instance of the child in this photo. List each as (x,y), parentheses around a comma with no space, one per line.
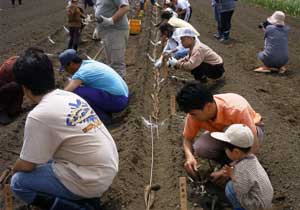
(74,24)
(250,187)
(275,54)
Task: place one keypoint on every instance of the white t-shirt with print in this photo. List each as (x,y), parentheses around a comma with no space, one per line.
(65,129)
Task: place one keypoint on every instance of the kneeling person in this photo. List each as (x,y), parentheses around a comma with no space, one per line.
(250,186)
(102,87)
(202,62)
(68,158)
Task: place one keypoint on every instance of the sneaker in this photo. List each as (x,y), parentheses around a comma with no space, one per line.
(262,69)
(282,70)
(224,40)
(217,36)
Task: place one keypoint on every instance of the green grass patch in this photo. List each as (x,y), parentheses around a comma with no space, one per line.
(291,7)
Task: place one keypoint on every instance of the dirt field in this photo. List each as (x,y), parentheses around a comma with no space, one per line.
(275,97)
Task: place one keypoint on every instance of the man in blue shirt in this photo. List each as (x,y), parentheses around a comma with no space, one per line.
(102,87)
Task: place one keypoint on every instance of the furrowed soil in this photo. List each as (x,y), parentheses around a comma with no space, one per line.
(275,97)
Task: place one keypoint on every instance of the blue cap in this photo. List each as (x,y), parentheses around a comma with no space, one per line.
(66,57)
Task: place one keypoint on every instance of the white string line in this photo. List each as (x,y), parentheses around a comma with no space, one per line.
(152,151)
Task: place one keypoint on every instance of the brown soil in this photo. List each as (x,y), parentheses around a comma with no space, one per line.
(276,97)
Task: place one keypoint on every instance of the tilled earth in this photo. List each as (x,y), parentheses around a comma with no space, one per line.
(275,97)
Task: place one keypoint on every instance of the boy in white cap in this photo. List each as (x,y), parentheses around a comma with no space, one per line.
(202,62)
(275,53)
(249,187)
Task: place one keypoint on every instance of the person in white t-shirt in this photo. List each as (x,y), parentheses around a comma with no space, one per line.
(68,158)
(183,9)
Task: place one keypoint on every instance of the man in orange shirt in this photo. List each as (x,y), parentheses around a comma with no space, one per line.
(213,113)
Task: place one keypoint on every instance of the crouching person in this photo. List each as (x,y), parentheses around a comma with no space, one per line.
(202,62)
(68,158)
(275,53)
(250,186)
(102,87)
(11,94)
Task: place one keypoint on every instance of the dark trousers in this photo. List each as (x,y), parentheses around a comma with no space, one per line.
(225,23)
(11,97)
(205,70)
(103,103)
(13,2)
(74,37)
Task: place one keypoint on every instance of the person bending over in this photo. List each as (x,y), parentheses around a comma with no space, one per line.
(68,158)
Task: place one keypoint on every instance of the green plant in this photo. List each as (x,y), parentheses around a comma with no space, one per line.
(291,7)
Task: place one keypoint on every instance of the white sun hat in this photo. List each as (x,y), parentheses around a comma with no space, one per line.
(237,134)
(181,32)
(277,18)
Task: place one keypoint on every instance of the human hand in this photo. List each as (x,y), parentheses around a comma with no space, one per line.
(158,63)
(104,21)
(172,62)
(167,53)
(190,166)
(228,170)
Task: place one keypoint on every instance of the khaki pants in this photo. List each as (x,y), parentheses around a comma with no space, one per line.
(115,43)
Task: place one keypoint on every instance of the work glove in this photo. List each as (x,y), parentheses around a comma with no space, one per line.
(88,19)
(158,63)
(96,34)
(104,21)
(172,62)
(167,53)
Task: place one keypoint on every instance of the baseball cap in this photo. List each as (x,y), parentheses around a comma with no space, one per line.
(66,57)
(237,134)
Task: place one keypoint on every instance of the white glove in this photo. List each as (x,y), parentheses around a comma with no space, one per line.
(88,19)
(104,21)
(167,52)
(96,35)
(158,63)
(172,62)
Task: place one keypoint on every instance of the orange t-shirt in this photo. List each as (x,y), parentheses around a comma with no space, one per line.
(231,109)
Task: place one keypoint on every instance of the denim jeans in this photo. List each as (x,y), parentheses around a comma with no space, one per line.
(181,53)
(26,185)
(231,196)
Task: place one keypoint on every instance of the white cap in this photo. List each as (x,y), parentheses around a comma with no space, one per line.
(186,32)
(277,18)
(237,134)
(168,2)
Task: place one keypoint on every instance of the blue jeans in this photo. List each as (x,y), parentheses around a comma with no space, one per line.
(181,53)
(26,185)
(231,196)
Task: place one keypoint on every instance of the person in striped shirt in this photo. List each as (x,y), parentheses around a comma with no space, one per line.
(249,187)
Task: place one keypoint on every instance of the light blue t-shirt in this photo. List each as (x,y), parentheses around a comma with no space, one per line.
(98,75)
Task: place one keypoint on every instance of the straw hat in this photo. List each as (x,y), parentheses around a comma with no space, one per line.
(277,18)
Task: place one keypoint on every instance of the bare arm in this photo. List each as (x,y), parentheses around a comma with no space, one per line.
(123,9)
(190,163)
(73,84)
(23,166)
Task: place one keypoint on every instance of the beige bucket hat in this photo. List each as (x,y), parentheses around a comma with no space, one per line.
(277,18)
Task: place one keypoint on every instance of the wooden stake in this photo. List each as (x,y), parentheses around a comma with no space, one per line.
(8,197)
(173,105)
(183,194)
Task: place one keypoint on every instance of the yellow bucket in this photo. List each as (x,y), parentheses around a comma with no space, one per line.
(135,26)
